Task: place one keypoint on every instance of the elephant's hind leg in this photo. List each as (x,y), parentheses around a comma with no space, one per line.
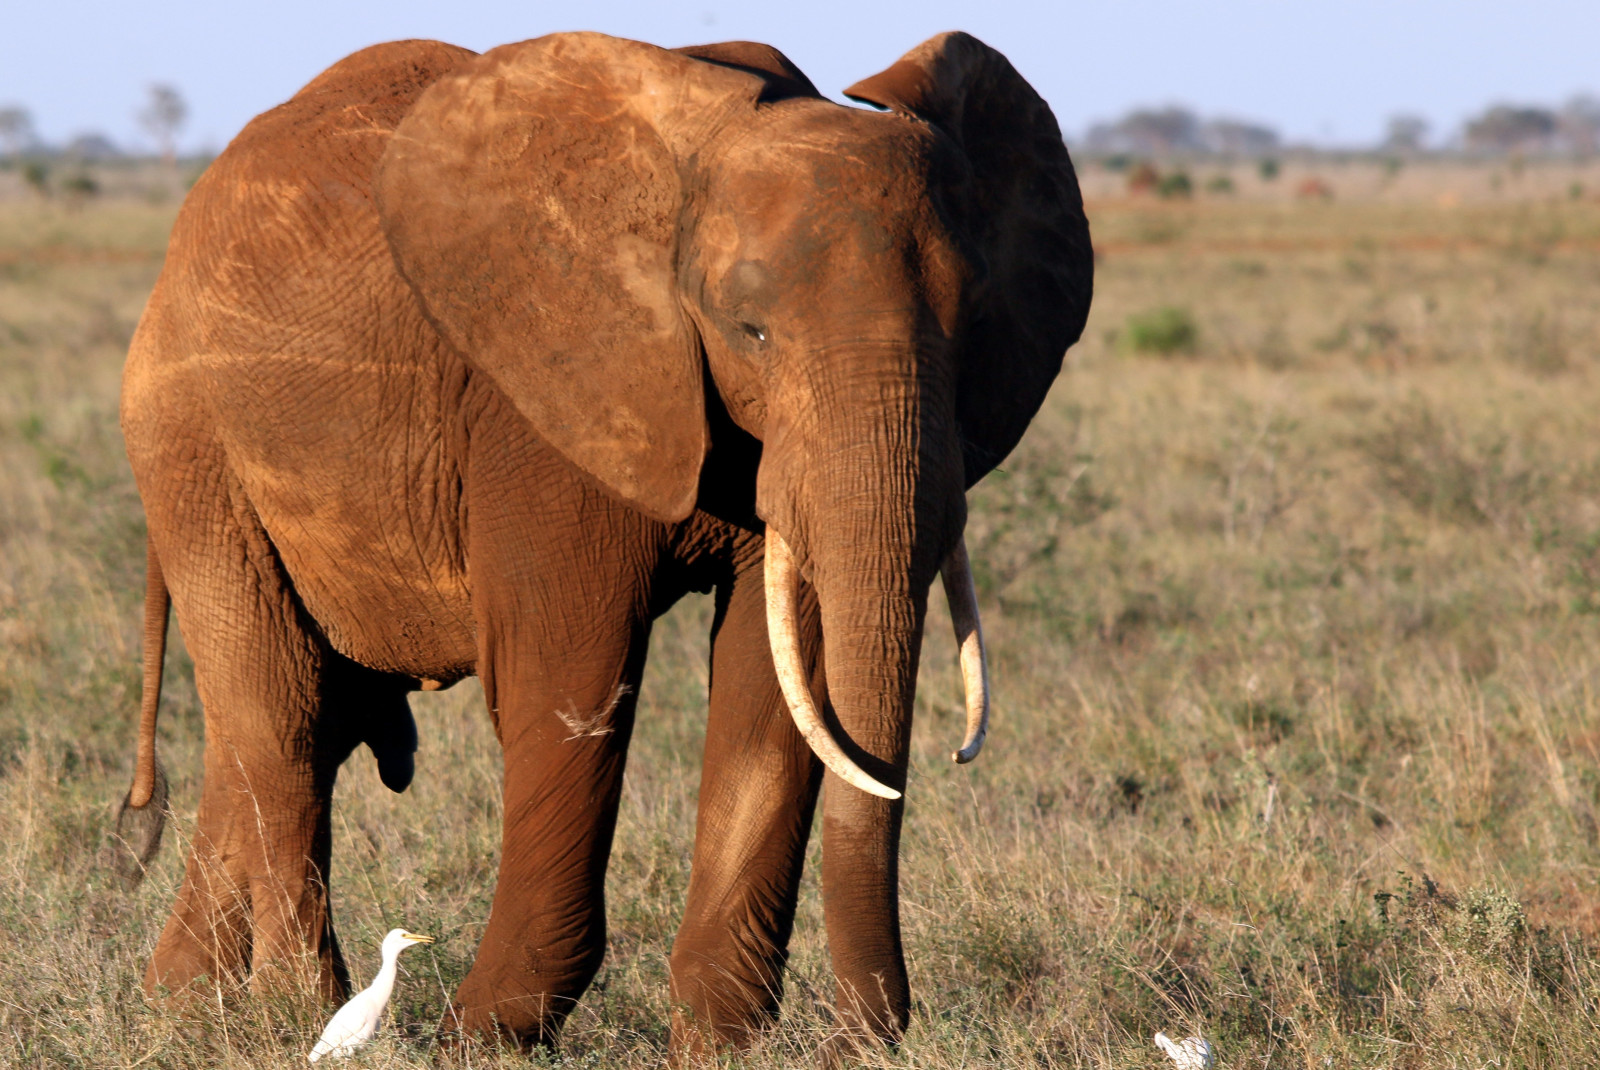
(254,897)
(758,789)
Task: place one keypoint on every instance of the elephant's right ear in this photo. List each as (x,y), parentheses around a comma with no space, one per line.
(1024,213)
(532,199)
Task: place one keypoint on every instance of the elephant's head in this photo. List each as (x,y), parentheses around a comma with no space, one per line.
(612,231)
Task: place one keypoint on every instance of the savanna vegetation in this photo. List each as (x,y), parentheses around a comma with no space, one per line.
(1293,600)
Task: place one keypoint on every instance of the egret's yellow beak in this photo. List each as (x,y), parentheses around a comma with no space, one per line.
(415,939)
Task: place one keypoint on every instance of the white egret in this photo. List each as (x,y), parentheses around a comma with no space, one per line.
(1190,1053)
(355,1022)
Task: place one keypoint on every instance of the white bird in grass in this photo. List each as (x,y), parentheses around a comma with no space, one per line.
(1190,1053)
(355,1022)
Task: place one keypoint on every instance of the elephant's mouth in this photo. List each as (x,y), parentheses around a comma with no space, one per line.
(783,588)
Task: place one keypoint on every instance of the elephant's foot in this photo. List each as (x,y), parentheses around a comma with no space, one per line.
(181,970)
(697,1038)
(295,957)
(849,1047)
(206,941)
(720,1010)
(228,928)
(737,1025)
(202,949)
(871,1016)
(525,1003)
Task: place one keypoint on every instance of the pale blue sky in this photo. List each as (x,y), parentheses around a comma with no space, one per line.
(1330,71)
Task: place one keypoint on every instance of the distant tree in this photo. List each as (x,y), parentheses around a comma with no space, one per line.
(1234,137)
(162,117)
(1164,131)
(1580,124)
(1151,132)
(1405,134)
(16,129)
(1506,128)
(91,146)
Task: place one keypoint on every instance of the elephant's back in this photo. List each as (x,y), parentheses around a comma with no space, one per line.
(281,330)
(288,206)
(279,239)
(390,75)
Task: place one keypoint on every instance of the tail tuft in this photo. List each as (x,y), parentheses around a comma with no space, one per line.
(138,835)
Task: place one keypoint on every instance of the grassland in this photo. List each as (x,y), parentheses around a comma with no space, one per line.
(1295,617)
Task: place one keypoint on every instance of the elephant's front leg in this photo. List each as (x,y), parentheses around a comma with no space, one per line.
(563,626)
(564,724)
(757,792)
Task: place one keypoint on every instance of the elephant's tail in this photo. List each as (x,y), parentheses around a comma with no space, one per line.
(143,813)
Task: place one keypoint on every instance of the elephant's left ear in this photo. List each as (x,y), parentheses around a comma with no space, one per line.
(532,199)
(1023,211)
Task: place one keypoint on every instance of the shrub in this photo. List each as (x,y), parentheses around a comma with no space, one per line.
(1165,331)
(80,185)
(1442,473)
(37,175)
(1175,185)
(1538,343)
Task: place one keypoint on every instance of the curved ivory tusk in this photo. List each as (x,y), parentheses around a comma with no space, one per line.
(963,598)
(783,632)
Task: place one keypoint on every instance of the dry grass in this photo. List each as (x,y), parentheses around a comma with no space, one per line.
(1295,640)
(1359,177)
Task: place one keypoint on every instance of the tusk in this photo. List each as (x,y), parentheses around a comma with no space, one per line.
(963,598)
(783,632)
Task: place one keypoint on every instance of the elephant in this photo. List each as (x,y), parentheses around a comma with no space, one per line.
(475,364)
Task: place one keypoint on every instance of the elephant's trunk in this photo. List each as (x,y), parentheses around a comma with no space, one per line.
(783,583)
(872,564)
(862,490)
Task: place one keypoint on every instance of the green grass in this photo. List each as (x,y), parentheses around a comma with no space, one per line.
(1296,650)
(1164,331)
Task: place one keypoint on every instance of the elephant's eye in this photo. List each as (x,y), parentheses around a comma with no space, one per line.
(754,333)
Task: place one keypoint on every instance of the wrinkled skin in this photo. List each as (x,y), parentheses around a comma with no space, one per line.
(466,364)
